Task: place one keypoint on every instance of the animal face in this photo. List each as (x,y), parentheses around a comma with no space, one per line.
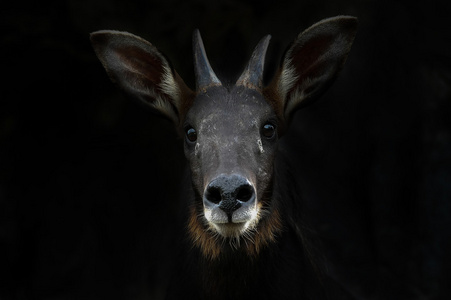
(231,140)
(231,133)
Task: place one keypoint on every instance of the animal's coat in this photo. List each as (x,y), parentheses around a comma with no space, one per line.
(245,237)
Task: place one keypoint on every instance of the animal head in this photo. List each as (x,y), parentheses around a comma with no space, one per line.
(230,132)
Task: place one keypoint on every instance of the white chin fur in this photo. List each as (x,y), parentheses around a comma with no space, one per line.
(242,221)
(230,229)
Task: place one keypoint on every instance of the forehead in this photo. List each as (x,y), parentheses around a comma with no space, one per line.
(238,105)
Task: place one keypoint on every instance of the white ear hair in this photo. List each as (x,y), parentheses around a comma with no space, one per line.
(288,78)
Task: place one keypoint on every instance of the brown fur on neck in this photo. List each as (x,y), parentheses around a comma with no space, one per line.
(212,245)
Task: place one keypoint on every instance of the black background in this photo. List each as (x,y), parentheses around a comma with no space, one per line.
(88,178)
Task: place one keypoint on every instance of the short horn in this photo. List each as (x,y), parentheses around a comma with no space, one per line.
(252,76)
(205,77)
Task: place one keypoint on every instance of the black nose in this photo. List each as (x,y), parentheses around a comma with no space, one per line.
(229,192)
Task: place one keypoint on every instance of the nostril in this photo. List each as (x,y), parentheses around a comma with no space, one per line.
(245,193)
(213,194)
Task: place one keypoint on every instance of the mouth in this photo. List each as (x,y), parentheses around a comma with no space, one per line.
(230,229)
(242,221)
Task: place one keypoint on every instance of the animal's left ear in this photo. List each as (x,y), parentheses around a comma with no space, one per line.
(311,64)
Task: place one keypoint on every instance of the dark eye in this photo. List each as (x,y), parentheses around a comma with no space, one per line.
(268,130)
(191,134)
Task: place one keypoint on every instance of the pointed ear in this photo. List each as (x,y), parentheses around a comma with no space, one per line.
(142,71)
(311,64)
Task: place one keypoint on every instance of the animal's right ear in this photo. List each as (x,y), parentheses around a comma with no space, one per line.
(142,71)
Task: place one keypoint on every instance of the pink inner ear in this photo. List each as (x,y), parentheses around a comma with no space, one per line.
(138,61)
(306,57)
